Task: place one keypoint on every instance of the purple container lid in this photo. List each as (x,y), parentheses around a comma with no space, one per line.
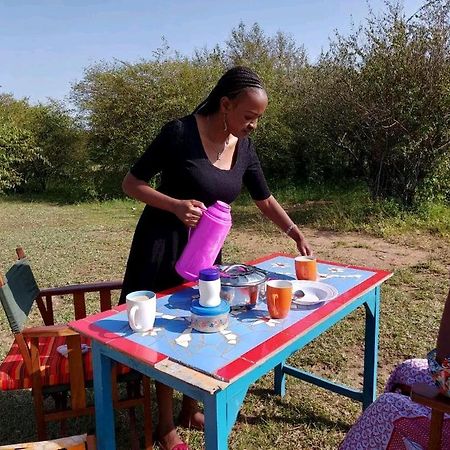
(209,274)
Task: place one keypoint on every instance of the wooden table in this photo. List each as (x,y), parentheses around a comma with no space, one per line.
(218,368)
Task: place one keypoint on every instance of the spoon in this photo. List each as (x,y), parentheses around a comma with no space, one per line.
(302,297)
(298,294)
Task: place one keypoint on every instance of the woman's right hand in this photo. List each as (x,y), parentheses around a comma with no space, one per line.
(189,211)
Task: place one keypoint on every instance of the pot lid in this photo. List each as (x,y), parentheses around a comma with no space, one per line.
(240,275)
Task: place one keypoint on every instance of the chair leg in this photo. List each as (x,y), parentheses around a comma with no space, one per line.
(91,442)
(134,438)
(36,391)
(437,418)
(147,411)
(38,400)
(132,393)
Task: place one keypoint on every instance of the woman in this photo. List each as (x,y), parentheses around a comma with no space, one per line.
(204,157)
(394,421)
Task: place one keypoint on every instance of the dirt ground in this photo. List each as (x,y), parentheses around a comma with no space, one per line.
(353,248)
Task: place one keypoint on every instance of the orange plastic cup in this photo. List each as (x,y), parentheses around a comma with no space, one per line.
(279,298)
(306,268)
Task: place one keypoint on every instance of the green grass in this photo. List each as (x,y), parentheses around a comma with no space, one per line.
(90,241)
(350,208)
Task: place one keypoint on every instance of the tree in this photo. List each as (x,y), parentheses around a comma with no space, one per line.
(281,64)
(392,78)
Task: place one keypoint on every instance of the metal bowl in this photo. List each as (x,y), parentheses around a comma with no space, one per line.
(242,286)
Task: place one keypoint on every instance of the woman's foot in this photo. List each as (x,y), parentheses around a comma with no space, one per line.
(169,440)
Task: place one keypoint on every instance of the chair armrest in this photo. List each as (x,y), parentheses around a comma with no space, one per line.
(48,331)
(430,396)
(84,287)
(102,289)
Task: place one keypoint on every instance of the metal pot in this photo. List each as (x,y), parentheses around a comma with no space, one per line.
(242,285)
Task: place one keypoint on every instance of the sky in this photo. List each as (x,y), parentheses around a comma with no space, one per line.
(45,45)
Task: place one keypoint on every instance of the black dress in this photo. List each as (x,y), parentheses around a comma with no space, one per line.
(186,173)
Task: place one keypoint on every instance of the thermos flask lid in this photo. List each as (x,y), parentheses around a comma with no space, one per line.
(222,206)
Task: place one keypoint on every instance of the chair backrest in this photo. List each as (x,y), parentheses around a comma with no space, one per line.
(18,293)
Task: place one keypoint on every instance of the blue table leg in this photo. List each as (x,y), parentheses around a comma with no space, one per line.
(104,411)
(280,380)
(221,410)
(216,422)
(371,348)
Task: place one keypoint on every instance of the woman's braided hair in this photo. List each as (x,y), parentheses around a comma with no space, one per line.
(230,85)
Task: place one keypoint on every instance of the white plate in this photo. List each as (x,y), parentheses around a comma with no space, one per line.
(315,292)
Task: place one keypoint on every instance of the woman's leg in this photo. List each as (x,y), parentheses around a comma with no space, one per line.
(166,431)
(190,415)
(408,373)
(388,423)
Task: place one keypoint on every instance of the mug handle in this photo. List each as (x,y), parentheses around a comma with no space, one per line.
(133,310)
(274,304)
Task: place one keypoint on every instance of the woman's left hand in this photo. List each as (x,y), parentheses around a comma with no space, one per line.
(303,246)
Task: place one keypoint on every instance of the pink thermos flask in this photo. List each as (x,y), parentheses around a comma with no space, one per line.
(205,241)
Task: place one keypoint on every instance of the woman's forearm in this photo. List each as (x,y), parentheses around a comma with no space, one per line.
(275,212)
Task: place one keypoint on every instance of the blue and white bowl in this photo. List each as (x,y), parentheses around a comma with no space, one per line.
(209,319)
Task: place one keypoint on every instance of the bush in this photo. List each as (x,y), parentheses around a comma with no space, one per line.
(391,81)
(49,146)
(18,152)
(375,108)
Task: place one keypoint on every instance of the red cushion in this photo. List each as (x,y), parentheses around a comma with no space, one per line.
(13,373)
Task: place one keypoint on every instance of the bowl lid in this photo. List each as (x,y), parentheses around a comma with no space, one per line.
(241,275)
(222,308)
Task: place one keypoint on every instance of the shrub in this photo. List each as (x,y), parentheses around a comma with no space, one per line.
(18,152)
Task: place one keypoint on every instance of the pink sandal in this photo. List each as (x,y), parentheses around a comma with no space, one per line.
(182,446)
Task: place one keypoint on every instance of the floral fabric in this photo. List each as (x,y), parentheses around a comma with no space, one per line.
(407,373)
(394,421)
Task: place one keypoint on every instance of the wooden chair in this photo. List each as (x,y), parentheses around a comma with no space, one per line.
(34,362)
(81,442)
(439,404)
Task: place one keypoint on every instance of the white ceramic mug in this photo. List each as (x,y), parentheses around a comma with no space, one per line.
(141,310)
